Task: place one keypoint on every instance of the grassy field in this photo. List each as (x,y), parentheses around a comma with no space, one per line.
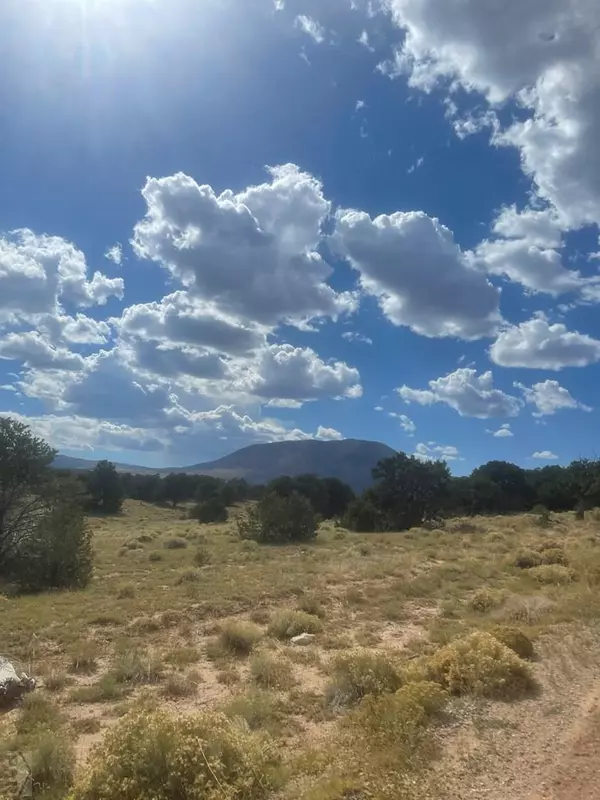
(188,618)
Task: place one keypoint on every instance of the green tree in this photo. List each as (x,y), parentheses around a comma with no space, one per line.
(58,554)
(408,491)
(213,510)
(25,486)
(105,488)
(176,488)
(515,493)
(279,520)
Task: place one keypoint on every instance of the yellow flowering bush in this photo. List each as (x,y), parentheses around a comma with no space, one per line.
(479,664)
(156,756)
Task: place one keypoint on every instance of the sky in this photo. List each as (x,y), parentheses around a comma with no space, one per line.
(225,222)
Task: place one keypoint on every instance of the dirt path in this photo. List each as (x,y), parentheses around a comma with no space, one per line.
(543,748)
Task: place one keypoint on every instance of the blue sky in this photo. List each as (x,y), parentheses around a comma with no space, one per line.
(234,221)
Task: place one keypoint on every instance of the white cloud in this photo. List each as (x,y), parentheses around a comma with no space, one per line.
(365,41)
(503,432)
(251,255)
(280,402)
(529,254)
(354,336)
(360,104)
(311,28)
(466,392)
(181,319)
(545,455)
(297,373)
(436,452)
(549,397)
(378,408)
(79,329)
(115,254)
(406,423)
(418,273)
(39,273)
(538,345)
(537,228)
(33,351)
(545,54)
(328,434)
(81,433)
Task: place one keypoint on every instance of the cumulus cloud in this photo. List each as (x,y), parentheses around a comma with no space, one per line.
(546,56)
(181,319)
(537,344)
(311,28)
(436,452)
(38,273)
(406,423)
(297,373)
(549,397)
(83,433)
(545,455)
(529,254)
(33,351)
(421,278)
(252,254)
(470,394)
(328,434)
(503,432)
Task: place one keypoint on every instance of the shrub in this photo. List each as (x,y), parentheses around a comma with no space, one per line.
(85,657)
(182,656)
(279,520)
(362,516)
(58,555)
(515,639)
(155,556)
(56,680)
(177,686)
(553,555)
(239,637)
(106,690)
(555,574)
(270,672)
(38,713)
(213,510)
(360,673)
(527,559)
(126,592)
(175,543)
(136,667)
(52,764)
(189,575)
(201,557)
(259,710)
(399,720)
(484,600)
(311,605)
(161,756)
(481,665)
(289,623)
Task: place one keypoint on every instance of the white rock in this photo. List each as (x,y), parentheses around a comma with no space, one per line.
(303,640)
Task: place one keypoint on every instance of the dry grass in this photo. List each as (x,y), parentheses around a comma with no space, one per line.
(379,604)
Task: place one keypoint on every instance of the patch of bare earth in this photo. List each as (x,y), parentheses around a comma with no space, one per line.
(542,748)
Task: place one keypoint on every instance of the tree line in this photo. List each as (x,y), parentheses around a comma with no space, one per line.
(408,492)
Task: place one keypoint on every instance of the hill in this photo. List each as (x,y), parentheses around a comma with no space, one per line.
(350,460)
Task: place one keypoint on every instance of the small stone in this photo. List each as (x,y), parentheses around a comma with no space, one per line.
(303,640)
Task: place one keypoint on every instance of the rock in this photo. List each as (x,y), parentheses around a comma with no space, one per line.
(12,685)
(303,640)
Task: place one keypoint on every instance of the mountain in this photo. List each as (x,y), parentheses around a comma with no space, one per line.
(350,460)
(67,462)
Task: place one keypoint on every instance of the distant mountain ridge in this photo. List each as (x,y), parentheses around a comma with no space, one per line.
(350,460)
